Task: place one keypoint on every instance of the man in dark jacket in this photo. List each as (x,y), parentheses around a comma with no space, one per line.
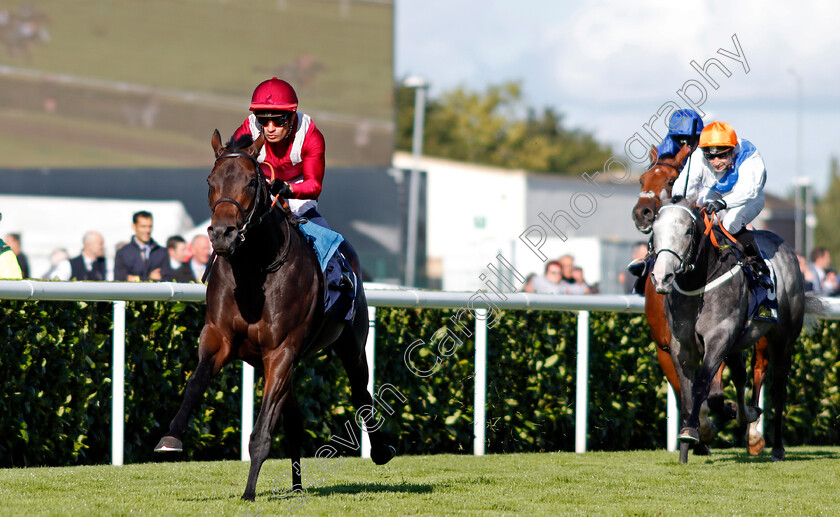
(142,258)
(176,269)
(89,265)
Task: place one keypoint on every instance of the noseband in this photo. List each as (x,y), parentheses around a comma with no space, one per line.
(685,266)
(257,196)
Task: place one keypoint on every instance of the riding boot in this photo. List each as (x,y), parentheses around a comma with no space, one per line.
(754,259)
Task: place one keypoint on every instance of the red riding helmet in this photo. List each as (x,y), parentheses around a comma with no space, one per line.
(274,94)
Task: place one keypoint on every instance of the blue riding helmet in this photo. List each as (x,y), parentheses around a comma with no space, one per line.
(684,125)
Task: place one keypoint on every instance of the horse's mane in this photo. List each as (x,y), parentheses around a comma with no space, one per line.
(243,142)
(688,202)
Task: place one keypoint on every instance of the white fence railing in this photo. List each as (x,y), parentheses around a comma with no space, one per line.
(120,292)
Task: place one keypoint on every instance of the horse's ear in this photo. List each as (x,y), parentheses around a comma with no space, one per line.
(216,142)
(681,156)
(255,148)
(653,154)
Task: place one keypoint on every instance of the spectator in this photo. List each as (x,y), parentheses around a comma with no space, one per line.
(176,269)
(579,286)
(9,267)
(200,248)
(628,281)
(820,263)
(528,287)
(13,241)
(57,256)
(89,265)
(807,275)
(830,283)
(141,258)
(549,283)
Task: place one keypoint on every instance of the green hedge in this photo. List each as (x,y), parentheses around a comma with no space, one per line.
(55,365)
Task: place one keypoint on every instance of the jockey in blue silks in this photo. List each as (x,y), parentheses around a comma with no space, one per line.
(684,128)
(729,182)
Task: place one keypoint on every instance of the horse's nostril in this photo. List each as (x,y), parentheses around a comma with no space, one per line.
(229,230)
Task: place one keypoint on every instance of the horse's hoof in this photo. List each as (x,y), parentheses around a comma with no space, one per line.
(169,444)
(689,435)
(778,455)
(755,442)
(702,449)
(382,455)
(753,413)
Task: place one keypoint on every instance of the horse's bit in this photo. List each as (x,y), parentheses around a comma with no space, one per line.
(684,268)
(249,223)
(249,217)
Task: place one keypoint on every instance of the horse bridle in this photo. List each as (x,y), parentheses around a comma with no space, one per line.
(686,265)
(649,193)
(257,196)
(249,219)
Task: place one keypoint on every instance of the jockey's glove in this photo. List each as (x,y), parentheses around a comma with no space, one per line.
(280,188)
(714,206)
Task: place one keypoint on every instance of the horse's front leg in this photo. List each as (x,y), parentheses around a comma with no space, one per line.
(279,366)
(685,361)
(213,353)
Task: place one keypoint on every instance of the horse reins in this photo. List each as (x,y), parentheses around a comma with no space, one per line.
(708,231)
(683,267)
(249,223)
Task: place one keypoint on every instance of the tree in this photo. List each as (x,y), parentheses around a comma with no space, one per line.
(827,208)
(494,128)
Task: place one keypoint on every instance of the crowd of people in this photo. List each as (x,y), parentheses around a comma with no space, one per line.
(138,259)
(561,276)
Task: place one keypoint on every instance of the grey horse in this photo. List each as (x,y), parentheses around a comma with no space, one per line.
(706,303)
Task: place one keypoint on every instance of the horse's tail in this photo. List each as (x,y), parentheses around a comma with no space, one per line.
(815,309)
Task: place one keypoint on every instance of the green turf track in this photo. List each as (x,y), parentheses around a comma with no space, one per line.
(595,483)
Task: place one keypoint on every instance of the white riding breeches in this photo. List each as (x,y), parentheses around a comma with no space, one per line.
(735,219)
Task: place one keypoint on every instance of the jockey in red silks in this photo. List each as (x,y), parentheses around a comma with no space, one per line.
(293,153)
(294,148)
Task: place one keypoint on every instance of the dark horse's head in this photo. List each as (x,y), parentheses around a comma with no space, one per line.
(656,186)
(237,191)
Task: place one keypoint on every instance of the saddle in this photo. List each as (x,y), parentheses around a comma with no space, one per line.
(761,278)
(340,280)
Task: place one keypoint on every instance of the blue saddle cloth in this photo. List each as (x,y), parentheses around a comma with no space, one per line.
(325,242)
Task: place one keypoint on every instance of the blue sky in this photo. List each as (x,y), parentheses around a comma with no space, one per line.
(609,66)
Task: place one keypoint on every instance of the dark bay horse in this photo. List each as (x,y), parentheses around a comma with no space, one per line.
(657,183)
(265,305)
(706,302)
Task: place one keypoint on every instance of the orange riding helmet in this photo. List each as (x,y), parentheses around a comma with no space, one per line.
(718,135)
(274,95)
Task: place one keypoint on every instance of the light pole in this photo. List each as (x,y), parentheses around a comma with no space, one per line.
(800,183)
(420,86)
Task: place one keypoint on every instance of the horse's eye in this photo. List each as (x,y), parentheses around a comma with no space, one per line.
(252,183)
(671,182)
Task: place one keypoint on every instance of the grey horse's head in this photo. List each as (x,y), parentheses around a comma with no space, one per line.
(673,237)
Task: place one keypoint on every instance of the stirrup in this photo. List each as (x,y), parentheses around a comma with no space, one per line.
(346,283)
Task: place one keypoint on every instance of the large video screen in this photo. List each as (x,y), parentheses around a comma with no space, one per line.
(105,83)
